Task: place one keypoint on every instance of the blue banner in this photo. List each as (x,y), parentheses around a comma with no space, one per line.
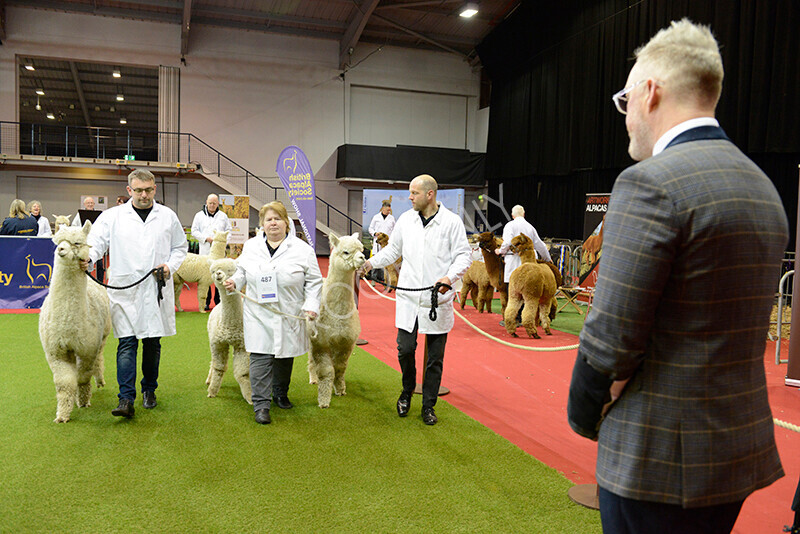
(295,173)
(26,265)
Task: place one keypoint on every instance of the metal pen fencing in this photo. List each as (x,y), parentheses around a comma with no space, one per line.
(139,145)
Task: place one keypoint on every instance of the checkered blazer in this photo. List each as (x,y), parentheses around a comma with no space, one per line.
(691,258)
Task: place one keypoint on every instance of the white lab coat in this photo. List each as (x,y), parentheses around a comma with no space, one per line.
(299,289)
(511,230)
(439,249)
(44,227)
(379,224)
(135,247)
(203,226)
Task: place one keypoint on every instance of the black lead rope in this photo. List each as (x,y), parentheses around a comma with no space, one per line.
(434,289)
(159,279)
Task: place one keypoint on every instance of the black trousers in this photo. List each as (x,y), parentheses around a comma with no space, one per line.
(629,516)
(281,376)
(212,289)
(406,355)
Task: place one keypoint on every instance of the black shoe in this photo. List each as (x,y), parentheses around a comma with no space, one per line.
(283,402)
(149,399)
(429,416)
(404,404)
(125,409)
(262,416)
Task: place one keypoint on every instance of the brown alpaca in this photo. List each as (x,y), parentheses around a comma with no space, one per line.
(476,281)
(494,266)
(593,245)
(390,271)
(535,283)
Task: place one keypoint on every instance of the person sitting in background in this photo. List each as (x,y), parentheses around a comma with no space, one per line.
(19,221)
(282,274)
(35,209)
(122,199)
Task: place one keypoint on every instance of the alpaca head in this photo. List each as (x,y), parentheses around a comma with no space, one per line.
(71,242)
(222,269)
(521,244)
(220,237)
(486,240)
(61,220)
(347,252)
(382,239)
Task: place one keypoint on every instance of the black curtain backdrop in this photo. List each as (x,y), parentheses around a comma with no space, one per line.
(555,135)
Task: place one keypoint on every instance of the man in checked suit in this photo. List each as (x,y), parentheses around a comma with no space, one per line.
(694,236)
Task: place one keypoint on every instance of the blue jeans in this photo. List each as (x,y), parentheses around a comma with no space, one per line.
(126,365)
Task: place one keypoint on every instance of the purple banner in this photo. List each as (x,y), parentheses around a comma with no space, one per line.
(297,178)
(26,265)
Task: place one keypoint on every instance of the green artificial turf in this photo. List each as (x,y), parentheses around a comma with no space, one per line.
(196,464)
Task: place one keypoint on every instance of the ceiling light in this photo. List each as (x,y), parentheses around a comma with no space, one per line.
(112,109)
(97,108)
(51,116)
(40,92)
(123,120)
(120,97)
(29,66)
(470,9)
(116,73)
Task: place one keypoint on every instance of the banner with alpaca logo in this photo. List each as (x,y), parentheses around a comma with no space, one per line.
(26,265)
(297,178)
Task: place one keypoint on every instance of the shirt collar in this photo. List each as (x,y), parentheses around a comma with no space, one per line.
(678,129)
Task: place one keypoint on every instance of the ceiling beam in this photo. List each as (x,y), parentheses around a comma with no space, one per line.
(266,17)
(406,5)
(353,32)
(79,89)
(187,17)
(420,36)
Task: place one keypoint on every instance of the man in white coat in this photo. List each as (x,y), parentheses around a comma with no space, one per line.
(516,226)
(205,223)
(382,222)
(140,235)
(433,244)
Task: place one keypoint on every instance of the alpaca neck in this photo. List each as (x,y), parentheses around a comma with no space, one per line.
(338,292)
(528,255)
(217,250)
(69,282)
(492,262)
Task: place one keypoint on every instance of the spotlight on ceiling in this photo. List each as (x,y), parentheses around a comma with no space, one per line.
(470,9)
(120,97)
(116,73)
(112,109)
(38,105)
(123,120)
(40,92)
(29,65)
(51,116)
(97,108)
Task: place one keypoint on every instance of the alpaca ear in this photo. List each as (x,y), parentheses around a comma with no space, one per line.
(355,235)
(87,226)
(333,239)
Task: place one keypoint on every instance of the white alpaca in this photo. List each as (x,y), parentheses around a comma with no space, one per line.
(225,332)
(74,323)
(61,220)
(196,268)
(334,333)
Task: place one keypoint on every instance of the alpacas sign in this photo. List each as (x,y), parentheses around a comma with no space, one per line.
(297,178)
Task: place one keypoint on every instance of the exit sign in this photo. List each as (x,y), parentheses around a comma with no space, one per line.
(129,157)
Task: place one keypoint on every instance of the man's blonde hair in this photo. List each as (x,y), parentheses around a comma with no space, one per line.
(141,174)
(17,209)
(278,207)
(686,58)
(518,211)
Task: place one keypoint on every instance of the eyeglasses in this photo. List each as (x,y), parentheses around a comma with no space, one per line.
(621,98)
(147,190)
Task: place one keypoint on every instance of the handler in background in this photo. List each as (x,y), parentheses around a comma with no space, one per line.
(139,235)
(282,274)
(433,244)
(207,221)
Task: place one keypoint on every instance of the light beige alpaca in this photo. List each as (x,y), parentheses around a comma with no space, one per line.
(225,332)
(196,268)
(391,272)
(476,280)
(74,323)
(61,220)
(488,242)
(334,333)
(535,283)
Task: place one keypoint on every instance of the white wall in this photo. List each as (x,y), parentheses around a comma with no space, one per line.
(250,94)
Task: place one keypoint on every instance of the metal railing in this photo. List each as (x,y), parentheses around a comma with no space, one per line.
(152,146)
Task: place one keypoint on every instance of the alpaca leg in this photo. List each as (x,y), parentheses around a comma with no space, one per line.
(241,371)
(85,370)
(339,367)
(202,292)
(464,293)
(324,368)
(503,298)
(529,317)
(487,294)
(177,285)
(65,377)
(312,368)
(99,368)
(219,363)
(544,315)
(510,314)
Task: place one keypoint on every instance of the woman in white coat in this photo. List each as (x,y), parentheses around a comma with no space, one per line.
(35,209)
(281,273)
